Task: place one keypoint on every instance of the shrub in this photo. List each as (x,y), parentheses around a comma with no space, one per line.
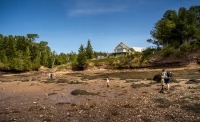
(146,53)
(179,54)
(167,51)
(185,47)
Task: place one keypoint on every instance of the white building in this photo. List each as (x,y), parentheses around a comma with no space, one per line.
(138,49)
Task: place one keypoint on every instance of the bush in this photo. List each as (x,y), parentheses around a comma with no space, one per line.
(185,47)
(195,44)
(145,54)
(179,54)
(167,51)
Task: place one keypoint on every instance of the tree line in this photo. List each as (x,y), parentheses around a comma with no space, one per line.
(22,53)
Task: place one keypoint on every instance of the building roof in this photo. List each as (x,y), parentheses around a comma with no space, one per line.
(123,45)
(138,49)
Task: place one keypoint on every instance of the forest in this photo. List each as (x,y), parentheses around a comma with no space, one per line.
(177,32)
(176,29)
(22,53)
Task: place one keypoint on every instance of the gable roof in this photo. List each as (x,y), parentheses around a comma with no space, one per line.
(123,45)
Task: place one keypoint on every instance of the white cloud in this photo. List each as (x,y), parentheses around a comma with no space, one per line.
(93,7)
(93,11)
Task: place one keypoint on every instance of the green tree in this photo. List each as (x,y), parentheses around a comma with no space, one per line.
(32,37)
(27,59)
(81,58)
(176,28)
(62,58)
(72,57)
(3,60)
(195,10)
(89,50)
(22,53)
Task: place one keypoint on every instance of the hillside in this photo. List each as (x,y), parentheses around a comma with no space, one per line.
(189,58)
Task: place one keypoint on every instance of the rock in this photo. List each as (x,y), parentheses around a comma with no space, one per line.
(139,85)
(62,81)
(192,81)
(34,102)
(157,78)
(82,92)
(131,80)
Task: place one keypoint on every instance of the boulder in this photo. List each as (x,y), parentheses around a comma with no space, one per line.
(157,78)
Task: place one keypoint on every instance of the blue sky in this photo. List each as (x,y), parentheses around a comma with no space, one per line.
(66,24)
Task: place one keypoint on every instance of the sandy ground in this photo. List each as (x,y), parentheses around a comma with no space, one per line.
(131,97)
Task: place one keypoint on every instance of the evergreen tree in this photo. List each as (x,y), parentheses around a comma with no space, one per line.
(89,50)
(81,59)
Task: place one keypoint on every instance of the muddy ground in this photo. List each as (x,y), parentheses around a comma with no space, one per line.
(132,97)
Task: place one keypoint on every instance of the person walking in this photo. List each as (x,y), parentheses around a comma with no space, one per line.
(165,78)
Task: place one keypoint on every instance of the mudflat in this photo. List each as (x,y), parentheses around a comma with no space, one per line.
(132,96)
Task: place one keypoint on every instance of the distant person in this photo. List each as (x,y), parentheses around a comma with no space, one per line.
(50,75)
(165,78)
(107,81)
